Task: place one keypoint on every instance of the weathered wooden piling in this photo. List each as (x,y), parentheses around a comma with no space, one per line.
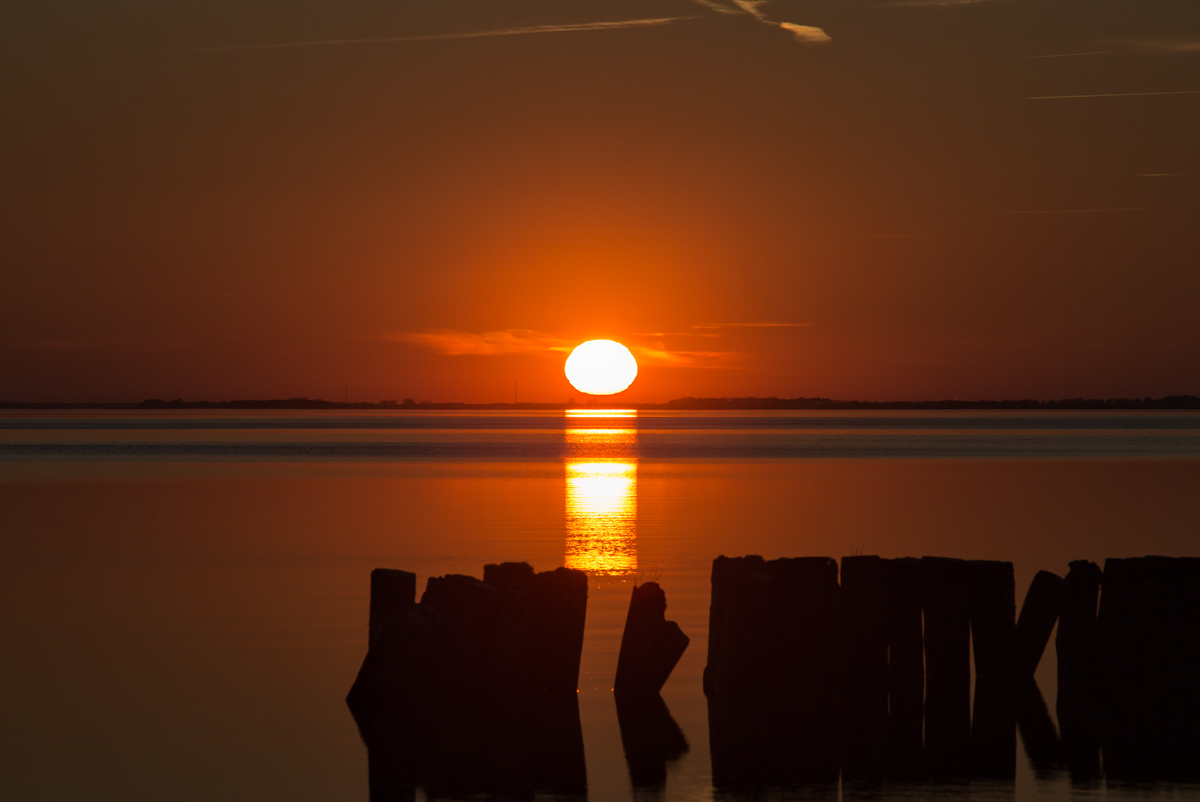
(808,666)
(392,591)
(729,596)
(650,645)
(946,586)
(992,610)
(1188,706)
(1078,658)
(1148,630)
(474,686)
(386,691)
(559,613)
(1126,636)
(651,739)
(1039,613)
(866,591)
(773,677)
(742,720)
(906,667)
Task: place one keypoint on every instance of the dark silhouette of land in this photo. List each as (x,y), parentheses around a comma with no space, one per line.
(748,403)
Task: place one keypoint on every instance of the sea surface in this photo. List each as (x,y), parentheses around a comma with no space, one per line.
(183,596)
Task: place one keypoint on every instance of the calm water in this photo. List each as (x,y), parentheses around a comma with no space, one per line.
(183,596)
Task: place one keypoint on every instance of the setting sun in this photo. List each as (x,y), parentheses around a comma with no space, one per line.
(601,367)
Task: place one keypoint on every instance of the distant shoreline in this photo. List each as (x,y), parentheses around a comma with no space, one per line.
(750,403)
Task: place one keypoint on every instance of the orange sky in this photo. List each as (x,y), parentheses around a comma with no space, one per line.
(908,192)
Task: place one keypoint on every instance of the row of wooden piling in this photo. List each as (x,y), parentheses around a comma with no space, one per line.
(473,689)
(809,678)
(810,675)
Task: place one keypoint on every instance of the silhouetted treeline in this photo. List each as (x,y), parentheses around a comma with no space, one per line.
(689,403)
(1166,402)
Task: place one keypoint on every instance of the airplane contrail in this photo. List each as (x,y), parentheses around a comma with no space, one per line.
(577,26)
(1117,94)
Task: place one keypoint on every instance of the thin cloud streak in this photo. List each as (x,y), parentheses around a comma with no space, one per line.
(1065,55)
(662,358)
(1110,209)
(452,342)
(720,8)
(1164,46)
(937,3)
(804,34)
(533,29)
(1117,94)
(752,325)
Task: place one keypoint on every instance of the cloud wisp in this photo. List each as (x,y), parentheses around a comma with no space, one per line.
(804,34)
(455,343)
(752,325)
(451,342)
(1109,209)
(434,37)
(1065,55)
(1161,46)
(1117,94)
(937,3)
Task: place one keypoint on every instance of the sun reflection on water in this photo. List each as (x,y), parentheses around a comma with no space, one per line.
(601,475)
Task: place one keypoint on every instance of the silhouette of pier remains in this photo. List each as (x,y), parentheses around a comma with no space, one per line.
(473,690)
(650,648)
(809,678)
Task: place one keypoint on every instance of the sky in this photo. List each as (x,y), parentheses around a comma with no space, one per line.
(904,199)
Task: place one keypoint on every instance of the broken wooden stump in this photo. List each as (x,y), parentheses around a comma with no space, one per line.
(650,645)
(1039,613)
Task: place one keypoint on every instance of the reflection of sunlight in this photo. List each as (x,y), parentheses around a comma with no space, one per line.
(601,472)
(601,413)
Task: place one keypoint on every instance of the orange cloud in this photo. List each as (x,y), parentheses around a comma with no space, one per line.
(450,342)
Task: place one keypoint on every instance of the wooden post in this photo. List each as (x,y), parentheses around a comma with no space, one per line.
(947,666)
(1123,623)
(392,592)
(906,668)
(866,591)
(650,645)
(1078,655)
(992,596)
(1038,615)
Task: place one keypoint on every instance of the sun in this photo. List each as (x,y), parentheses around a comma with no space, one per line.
(601,367)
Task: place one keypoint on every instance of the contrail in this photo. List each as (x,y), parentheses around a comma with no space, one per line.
(577,26)
(1064,55)
(1111,209)
(1117,94)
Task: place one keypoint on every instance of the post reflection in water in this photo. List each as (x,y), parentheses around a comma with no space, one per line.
(601,474)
